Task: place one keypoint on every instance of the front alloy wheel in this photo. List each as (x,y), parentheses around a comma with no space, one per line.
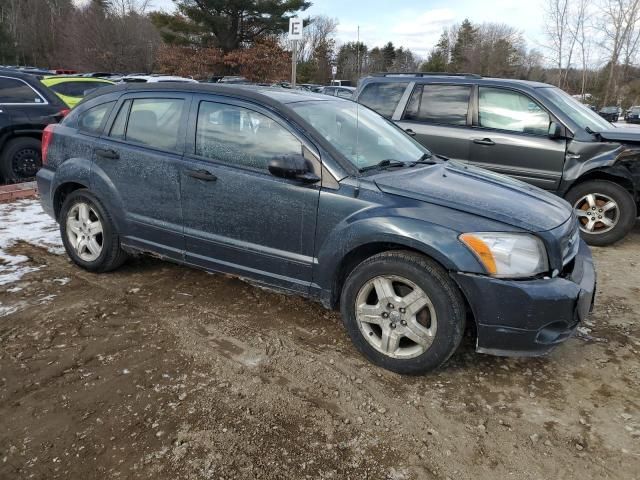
(396,316)
(597,213)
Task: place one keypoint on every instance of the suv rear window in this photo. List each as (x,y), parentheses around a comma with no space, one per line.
(443,104)
(77,89)
(17,91)
(382,97)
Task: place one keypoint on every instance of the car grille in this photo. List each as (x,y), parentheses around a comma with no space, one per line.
(570,242)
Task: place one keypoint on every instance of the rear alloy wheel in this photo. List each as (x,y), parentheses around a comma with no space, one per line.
(403,312)
(84,231)
(606,211)
(21,159)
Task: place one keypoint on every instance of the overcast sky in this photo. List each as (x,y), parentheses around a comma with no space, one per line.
(417,24)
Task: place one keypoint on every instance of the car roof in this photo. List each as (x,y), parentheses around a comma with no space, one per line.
(267,95)
(464,78)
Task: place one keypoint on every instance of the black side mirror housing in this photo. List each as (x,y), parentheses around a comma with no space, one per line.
(555,131)
(292,167)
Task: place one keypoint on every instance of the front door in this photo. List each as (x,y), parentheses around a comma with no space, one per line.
(139,155)
(511,136)
(238,217)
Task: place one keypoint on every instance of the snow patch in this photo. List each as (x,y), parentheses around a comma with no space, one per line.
(25,221)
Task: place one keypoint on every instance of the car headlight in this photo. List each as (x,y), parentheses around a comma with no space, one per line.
(509,255)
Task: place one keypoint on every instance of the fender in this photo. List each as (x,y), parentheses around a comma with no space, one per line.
(608,159)
(433,240)
(103,188)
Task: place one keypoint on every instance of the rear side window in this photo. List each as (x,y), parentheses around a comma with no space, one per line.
(16,91)
(93,119)
(118,129)
(382,97)
(155,122)
(442,104)
(77,89)
(512,111)
(345,93)
(241,137)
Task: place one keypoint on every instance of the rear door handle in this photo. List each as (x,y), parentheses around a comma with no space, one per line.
(107,153)
(484,141)
(202,175)
(410,132)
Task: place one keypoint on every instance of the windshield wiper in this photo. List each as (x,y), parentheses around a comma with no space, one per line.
(425,159)
(387,163)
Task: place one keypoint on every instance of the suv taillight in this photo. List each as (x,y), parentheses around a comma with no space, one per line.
(47,135)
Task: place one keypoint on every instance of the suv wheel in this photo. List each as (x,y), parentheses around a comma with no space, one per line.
(606,211)
(21,159)
(88,233)
(403,312)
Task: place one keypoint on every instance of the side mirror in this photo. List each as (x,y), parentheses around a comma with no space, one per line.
(292,167)
(555,130)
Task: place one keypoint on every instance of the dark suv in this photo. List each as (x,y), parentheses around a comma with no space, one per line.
(530,131)
(26,107)
(319,196)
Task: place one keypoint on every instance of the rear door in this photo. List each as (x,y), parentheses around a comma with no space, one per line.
(238,217)
(140,156)
(439,117)
(511,136)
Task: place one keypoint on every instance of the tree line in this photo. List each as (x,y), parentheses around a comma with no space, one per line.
(591,46)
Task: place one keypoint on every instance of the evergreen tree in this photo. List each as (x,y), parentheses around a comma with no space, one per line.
(467,36)
(438,60)
(388,55)
(226,24)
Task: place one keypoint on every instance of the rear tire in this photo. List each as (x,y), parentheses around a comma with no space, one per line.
(20,160)
(606,211)
(403,312)
(88,233)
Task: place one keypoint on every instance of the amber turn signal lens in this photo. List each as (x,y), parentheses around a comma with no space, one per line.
(481,250)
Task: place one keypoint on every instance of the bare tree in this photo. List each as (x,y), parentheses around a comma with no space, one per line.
(562,43)
(581,32)
(618,25)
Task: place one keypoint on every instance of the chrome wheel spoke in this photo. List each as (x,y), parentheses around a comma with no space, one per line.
(95,228)
(581,213)
(414,302)
(609,206)
(75,226)
(93,247)
(83,212)
(590,225)
(607,221)
(390,341)
(384,288)
(591,200)
(421,335)
(370,314)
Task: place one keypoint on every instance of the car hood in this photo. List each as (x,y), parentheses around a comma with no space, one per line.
(479,192)
(626,135)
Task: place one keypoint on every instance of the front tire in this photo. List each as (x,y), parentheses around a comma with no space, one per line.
(88,233)
(606,211)
(403,312)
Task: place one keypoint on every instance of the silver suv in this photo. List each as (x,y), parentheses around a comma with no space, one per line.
(531,131)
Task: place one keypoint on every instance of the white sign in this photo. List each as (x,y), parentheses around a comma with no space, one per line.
(295,28)
(334,70)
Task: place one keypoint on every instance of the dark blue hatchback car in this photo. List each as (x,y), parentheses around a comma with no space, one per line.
(325,198)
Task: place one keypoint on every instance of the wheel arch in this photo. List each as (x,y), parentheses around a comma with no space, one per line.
(614,174)
(62,191)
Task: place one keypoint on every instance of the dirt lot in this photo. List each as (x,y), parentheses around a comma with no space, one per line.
(159,371)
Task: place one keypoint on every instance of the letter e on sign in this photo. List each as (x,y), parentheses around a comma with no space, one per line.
(295,28)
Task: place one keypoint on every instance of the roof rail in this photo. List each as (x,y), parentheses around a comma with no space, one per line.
(425,74)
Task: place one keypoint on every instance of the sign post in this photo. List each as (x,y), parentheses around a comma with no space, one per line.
(334,71)
(295,34)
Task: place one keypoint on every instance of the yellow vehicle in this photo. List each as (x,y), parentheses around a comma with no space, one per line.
(72,89)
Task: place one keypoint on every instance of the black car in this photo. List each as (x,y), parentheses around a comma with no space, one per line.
(26,108)
(531,131)
(632,115)
(610,114)
(318,196)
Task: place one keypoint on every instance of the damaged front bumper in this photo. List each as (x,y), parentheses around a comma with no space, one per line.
(530,317)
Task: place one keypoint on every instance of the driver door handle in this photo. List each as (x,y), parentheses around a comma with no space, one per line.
(484,141)
(202,175)
(107,153)
(410,132)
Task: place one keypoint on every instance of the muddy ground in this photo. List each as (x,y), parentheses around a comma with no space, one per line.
(164,372)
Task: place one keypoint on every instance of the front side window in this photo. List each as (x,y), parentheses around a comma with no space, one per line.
(155,122)
(511,111)
(92,120)
(343,93)
(363,137)
(241,137)
(441,104)
(383,97)
(17,91)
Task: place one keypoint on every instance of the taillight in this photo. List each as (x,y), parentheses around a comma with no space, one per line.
(47,135)
(64,112)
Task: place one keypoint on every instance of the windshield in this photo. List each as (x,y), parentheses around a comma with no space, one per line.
(361,135)
(609,109)
(582,115)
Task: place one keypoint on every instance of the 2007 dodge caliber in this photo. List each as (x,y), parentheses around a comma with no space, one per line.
(325,198)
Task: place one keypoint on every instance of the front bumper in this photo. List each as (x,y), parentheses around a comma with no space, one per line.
(530,317)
